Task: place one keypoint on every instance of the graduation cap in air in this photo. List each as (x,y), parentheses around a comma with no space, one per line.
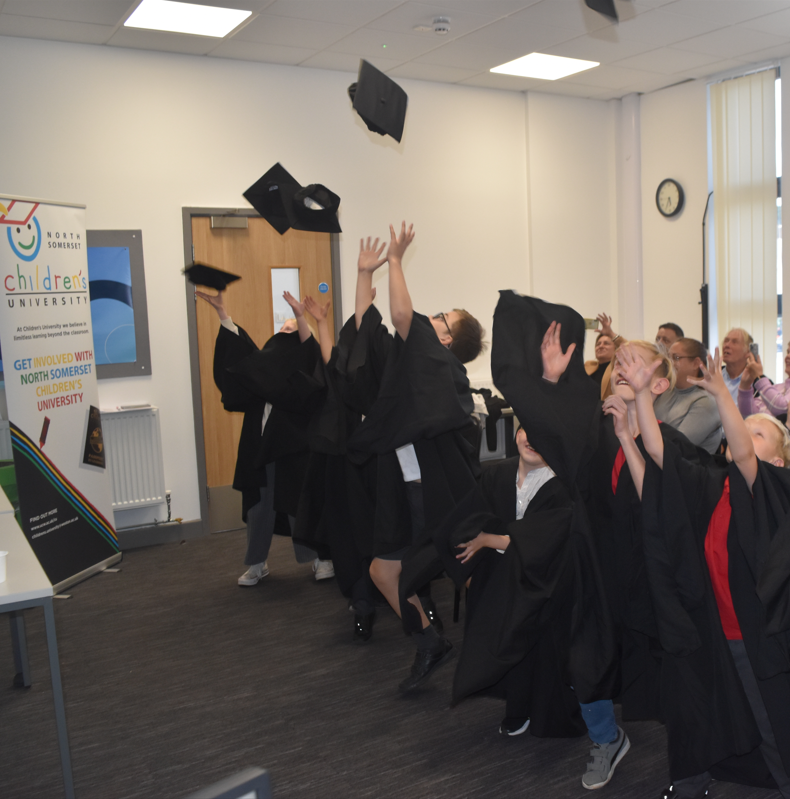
(279,198)
(605,7)
(379,101)
(205,275)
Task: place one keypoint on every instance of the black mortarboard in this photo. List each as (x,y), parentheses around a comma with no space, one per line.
(205,275)
(379,101)
(279,198)
(605,7)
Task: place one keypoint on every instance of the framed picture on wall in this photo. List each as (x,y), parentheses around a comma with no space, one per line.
(119,311)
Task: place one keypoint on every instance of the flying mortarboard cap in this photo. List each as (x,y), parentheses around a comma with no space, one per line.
(205,275)
(379,101)
(605,7)
(279,198)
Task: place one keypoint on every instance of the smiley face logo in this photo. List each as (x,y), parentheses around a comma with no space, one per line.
(25,240)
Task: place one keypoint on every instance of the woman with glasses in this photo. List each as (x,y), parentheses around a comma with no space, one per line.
(687,407)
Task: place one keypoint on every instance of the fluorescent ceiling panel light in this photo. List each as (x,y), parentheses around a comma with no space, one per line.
(544,67)
(166,15)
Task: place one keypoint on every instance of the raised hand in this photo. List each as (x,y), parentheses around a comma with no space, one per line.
(400,242)
(632,368)
(298,307)
(615,407)
(606,325)
(712,379)
(216,301)
(555,361)
(370,255)
(753,370)
(316,310)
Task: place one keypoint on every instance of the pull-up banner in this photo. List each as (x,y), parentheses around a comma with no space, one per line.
(51,390)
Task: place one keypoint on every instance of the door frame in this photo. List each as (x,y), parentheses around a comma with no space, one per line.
(187,214)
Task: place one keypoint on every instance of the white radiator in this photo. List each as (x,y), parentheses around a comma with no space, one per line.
(133,443)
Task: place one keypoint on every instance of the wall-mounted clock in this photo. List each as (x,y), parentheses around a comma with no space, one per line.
(669,197)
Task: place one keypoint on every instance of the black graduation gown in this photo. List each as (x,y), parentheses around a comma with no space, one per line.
(420,396)
(520,603)
(710,725)
(284,373)
(562,422)
(337,505)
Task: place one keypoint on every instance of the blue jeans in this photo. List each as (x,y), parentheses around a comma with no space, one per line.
(599,718)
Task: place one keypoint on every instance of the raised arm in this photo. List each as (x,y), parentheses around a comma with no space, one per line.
(737,434)
(216,301)
(369,261)
(555,361)
(401,309)
(640,378)
(615,407)
(298,309)
(319,313)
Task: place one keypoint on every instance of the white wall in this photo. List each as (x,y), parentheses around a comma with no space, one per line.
(573,231)
(138,135)
(674,145)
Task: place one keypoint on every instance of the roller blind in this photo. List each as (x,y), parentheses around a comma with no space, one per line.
(743,134)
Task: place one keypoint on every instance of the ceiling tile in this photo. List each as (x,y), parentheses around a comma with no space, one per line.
(346,62)
(568,14)
(432,72)
(369,43)
(767,54)
(778,24)
(107,12)
(492,8)
(407,16)
(493,80)
(341,12)
(731,42)
(292,32)
(571,89)
(658,28)
(57,30)
(495,44)
(258,51)
(608,77)
(244,5)
(161,40)
(591,49)
(666,60)
(729,12)
(715,68)
(647,85)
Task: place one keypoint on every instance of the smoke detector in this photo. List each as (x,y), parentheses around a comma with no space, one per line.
(441,26)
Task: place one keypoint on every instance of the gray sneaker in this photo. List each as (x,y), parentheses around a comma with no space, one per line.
(605,758)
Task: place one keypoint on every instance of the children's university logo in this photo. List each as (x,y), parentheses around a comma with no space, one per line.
(23,229)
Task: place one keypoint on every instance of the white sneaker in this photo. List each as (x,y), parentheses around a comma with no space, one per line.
(255,574)
(323,569)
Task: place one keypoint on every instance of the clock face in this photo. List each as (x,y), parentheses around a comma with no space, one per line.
(669,197)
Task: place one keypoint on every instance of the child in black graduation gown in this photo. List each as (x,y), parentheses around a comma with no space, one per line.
(272,440)
(717,546)
(418,427)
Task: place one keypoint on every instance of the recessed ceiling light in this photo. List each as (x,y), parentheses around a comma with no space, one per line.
(167,15)
(545,67)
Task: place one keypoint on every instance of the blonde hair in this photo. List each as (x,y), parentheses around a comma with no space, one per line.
(296,322)
(656,354)
(784,435)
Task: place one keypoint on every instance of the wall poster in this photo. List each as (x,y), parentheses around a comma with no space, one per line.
(51,389)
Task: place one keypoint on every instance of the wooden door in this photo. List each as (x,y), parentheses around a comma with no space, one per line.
(251,253)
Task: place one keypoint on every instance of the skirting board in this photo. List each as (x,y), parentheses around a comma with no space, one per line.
(151,535)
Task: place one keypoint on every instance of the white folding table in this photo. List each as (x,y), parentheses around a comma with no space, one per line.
(26,586)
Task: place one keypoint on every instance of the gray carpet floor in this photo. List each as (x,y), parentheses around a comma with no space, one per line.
(175,677)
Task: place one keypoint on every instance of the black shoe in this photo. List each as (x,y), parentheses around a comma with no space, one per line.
(430,611)
(513,726)
(426,661)
(363,627)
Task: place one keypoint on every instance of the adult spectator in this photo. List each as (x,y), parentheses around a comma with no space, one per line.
(735,353)
(606,345)
(756,393)
(668,334)
(689,408)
